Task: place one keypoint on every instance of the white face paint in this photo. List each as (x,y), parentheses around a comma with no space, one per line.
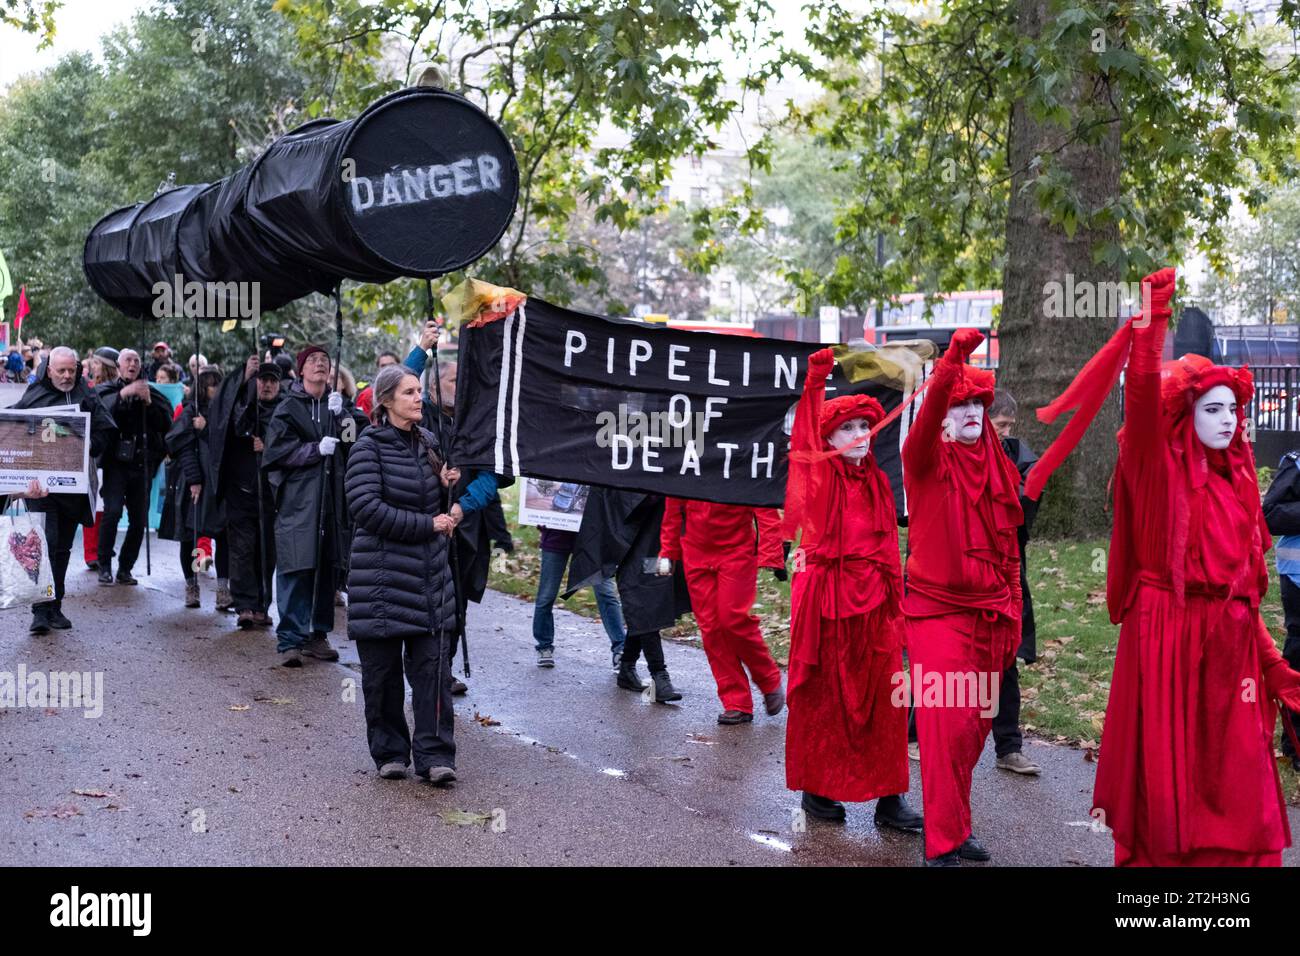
(1216,417)
(965,422)
(850,432)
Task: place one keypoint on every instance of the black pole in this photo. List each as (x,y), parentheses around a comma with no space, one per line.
(144,437)
(257,483)
(327,462)
(453,557)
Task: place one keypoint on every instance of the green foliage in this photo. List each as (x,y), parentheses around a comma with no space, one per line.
(31,16)
(1264,252)
(1205,101)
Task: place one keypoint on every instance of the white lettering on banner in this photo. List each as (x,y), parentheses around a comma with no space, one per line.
(620,441)
(709,413)
(574,342)
(728,447)
(647,454)
(464,177)
(674,362)
(768,458)
(690,459)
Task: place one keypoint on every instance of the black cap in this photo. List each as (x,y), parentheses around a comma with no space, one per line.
(269,370)
(107,354)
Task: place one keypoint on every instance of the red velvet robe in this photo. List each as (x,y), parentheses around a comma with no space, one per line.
(1186,775)
(845,738)
(962,606)
(721,548)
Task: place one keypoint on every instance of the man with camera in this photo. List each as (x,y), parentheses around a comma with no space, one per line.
(142,415)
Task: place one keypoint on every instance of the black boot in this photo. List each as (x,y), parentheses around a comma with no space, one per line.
(105,574)
(628,678)
(946,859)
(41,618)
(972,849)
(822,808)
(893,812)
(664,690)
(56,618)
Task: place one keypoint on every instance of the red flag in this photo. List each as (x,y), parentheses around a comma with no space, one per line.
(23,309)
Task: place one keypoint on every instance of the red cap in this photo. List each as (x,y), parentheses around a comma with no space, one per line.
(307,353)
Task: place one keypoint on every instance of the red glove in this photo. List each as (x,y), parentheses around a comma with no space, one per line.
(963,343)
(821,362)
(1157,290)
(1280,681)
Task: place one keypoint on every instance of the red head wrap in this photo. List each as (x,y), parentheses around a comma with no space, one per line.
(1185,380)
(975,383)
(840,410)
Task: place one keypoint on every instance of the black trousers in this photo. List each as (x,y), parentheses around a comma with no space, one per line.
(1291,650)
(427,666)
(649,643)
(494,519)
(1006,725)
(245,554)
(124,488)
(1028,631)
(61,521)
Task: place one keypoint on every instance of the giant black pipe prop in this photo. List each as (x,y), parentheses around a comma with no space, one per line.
(420,184)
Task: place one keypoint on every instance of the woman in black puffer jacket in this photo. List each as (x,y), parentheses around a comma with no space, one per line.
(400,593)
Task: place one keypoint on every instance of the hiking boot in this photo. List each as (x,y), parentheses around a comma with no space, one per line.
(40,618)
(124,577)
(246,620)
(822,808)
(628,678)
(192,593)
(261,619)
(318,646)
(894,812)
(1017,762)
(439,776)
(774,702)
(223,594)
(972,849)
(735,717)
(291,658)
(56,618)
(546,657)
(617,656)
(92,565)
(458,687)
(664,689)
(393,771)
(105,576)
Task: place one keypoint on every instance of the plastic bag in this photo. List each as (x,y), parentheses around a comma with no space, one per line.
(26,575)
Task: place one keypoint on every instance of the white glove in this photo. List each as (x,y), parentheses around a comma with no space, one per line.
(336,402)
(665,567)
(327,446)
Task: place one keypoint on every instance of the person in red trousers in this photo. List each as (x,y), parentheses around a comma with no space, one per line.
(721,547)
(845,740)
(1186,775)
(962,605)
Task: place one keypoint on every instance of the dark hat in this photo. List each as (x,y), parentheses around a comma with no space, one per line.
(270,370)
(307,353)
(107,354)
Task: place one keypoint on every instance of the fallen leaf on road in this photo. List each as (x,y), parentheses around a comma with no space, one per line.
(240,707)
(274,700)
(94,793)
(58,813)
(699,739)
(463,818)
(486,720)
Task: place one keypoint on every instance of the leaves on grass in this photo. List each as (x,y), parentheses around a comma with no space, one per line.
(64,812)
(486,720)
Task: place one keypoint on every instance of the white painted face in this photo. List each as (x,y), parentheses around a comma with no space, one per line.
(965,422)
(1216,417)
(848,433)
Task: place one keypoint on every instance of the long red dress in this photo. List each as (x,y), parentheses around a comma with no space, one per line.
(845,739)
(1186,775)
(721,547)
(962,606)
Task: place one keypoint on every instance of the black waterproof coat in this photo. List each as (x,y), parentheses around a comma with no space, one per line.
(619,534)
(103,435)
(136,424)
(297,474)
(399,584)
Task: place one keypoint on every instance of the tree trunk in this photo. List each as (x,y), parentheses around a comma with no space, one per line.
(1040,355)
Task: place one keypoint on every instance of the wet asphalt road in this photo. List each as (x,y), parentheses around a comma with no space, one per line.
(214,755)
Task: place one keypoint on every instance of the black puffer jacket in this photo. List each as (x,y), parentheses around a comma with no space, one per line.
(400,582)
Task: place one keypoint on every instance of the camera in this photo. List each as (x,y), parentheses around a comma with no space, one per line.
(273,342)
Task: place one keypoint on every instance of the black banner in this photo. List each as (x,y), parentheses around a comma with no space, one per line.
(551,393)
